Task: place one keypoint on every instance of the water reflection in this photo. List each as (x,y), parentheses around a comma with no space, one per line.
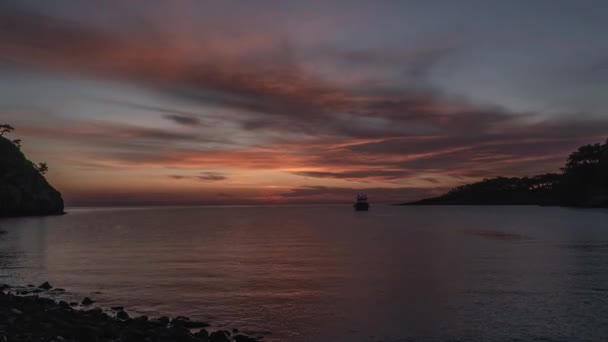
(324,273)
(6,255)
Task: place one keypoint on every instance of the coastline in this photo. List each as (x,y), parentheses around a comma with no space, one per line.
(30,313)
(434,202)
(9,216)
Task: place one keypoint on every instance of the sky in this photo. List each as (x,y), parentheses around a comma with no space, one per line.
(240,102)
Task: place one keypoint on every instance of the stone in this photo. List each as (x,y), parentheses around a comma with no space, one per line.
(142,318)
(202,334)
(122,315)
(195,324)
(87,301)
(34,318)
(95,311)
(219,336)
(180,318)
(45,286)
(185,322)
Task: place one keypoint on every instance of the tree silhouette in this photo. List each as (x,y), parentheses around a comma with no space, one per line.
(4,128)
(42,168)
(584,158)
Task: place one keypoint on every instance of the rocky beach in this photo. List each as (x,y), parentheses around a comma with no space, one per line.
(31,313)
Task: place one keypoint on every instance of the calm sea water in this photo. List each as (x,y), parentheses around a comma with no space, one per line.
(318,273)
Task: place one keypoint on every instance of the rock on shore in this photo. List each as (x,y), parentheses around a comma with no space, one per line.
(23,190)
(33,318)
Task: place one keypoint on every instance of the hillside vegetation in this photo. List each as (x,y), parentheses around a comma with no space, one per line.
(23,189)
(583,181)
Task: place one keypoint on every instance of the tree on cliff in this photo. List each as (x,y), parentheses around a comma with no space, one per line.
(4,128)
(42,168)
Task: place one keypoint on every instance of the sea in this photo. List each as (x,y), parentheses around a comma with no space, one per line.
(328,273)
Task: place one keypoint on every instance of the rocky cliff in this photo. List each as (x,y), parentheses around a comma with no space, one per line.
(23,190)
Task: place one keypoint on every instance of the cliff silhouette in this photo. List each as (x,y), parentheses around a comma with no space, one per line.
(583,182)
(23,189)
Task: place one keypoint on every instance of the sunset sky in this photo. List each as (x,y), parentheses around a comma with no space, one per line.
(231,102)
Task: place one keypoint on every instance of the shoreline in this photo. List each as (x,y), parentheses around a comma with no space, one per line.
(30,313)
(438,202)
(499,205)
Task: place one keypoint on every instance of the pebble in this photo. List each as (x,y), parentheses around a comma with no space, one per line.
(33,318)
(87,301)
(121,315)
(45,286)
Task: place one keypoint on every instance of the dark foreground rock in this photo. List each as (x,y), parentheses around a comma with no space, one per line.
(23,190)
(45,286)
(87,301)
(37,319)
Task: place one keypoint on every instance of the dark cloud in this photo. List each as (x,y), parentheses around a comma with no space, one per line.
(170,113)
(116,134)
(134,198)
(204,176)
(183,120)
(431,180)
(23,30)
(212,176)
(278,96)
(599,66)
(358,174)
(110,131)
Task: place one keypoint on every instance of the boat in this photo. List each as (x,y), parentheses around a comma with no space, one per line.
(361,204)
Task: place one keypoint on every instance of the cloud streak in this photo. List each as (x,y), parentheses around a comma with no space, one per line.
(203,176)
(183,119)
(212,176)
